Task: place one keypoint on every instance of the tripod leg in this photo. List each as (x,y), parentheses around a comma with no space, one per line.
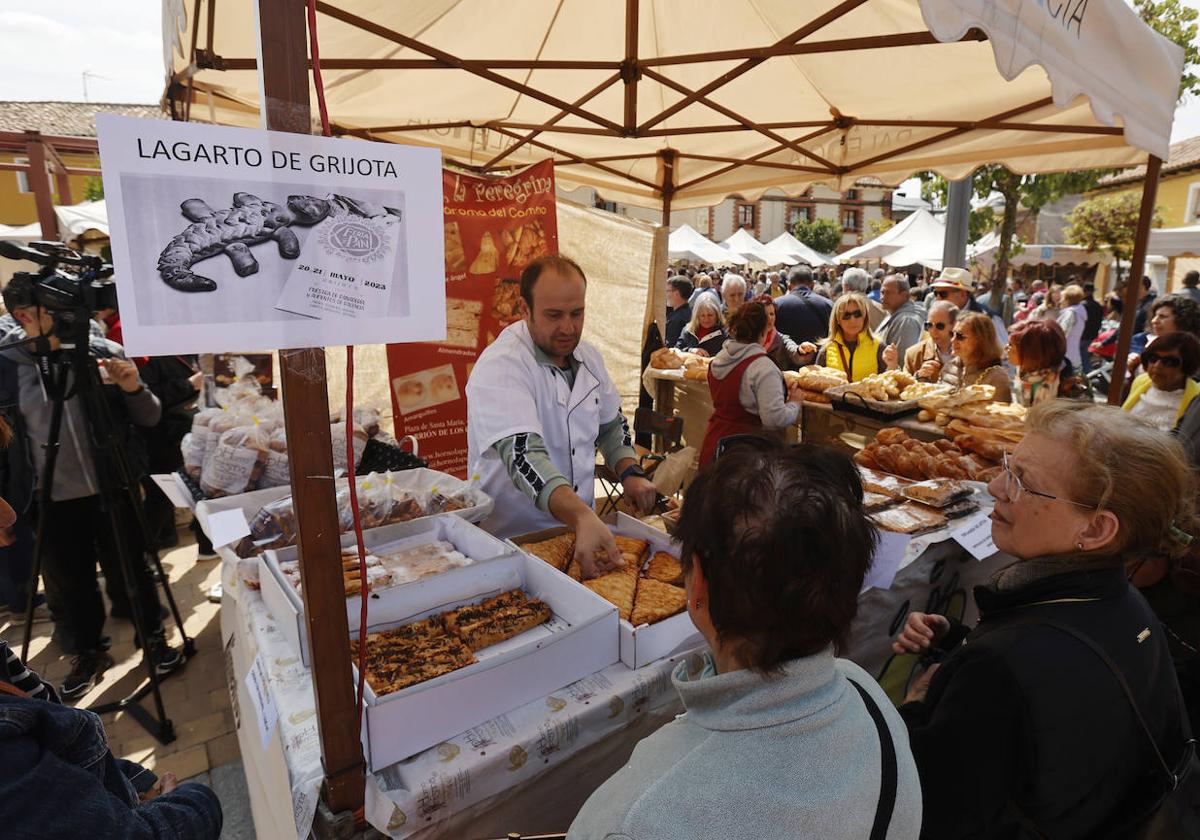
(46,494)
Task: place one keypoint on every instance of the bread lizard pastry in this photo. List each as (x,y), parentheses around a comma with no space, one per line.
(655,601)
(665,568)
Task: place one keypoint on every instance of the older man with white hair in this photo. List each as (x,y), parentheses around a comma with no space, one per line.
(857,280)
(905,320)
(733,294)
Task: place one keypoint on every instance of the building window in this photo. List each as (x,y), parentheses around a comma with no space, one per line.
(796,213)
(1192,215)
(747,216)
(609,206)
(849,220)
(22,177)
(851,195)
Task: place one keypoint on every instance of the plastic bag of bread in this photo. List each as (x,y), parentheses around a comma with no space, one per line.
(274,526)
(192,449)
(236,462)
(366,416)
(277,472)
(337,436)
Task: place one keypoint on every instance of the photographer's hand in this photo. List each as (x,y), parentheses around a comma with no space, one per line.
(124,374)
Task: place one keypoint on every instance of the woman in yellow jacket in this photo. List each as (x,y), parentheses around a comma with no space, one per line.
(1163,393)
(851,346)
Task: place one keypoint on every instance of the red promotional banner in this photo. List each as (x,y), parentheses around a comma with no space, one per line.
(494,227)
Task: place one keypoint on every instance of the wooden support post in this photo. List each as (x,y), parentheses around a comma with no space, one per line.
(668,184)
(284,50)
(39,182)
(1134,283)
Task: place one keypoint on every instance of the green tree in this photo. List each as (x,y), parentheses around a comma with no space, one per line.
(93,189)
(1107,221)
(876,227)
(822,235)
(1178,23)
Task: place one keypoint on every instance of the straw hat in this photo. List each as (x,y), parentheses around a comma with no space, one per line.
(953,278)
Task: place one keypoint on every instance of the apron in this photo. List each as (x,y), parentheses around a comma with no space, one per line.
(729,416)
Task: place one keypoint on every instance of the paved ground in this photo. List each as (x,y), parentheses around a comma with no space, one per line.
(196,698)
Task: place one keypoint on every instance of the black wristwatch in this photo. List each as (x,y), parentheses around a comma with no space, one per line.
(632,469)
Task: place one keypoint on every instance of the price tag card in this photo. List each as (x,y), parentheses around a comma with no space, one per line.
(975,535)
(170,485)
(227,526)
(889,554)
(263,699)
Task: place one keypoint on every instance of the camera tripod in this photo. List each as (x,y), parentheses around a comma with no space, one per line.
(72,373)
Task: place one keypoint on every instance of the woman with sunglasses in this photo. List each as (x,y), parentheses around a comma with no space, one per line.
(1025,730)
(852,347)
(977,356)
(1162,394)
(928,357)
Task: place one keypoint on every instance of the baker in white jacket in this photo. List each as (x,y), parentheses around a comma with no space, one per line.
(539,405)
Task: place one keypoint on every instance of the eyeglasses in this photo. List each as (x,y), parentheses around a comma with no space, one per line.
(857,313)
(941,325)
(959,336)
(1013,488)
(1165,361)
(941,294)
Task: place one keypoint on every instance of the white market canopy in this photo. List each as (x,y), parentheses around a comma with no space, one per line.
(785,243)
(689,101)
(744,244)
(75,219)
(984,252)
(687,243)
(920,234)
(1175,242)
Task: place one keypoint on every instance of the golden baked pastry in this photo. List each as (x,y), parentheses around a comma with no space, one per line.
(665,568)
(908,518)
(632,550)
(488,259)
(456,259)
(618,588)
(557,551)
(655,601)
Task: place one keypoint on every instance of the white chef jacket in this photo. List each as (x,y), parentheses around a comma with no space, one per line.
(509,393)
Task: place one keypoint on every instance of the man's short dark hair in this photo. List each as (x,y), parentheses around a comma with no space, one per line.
(783,542)
(557,262)
(1146,282)
(681,285)
(801,275)
(1191,279)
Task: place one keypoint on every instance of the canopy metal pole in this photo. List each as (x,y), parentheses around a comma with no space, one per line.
(284,50)
(958,214)
(1134,283)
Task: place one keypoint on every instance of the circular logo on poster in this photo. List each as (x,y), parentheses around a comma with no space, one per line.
(357,240)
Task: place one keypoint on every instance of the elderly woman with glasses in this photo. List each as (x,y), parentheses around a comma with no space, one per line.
(977,356)
(1162,394)
(1060,715)
(852,347)
(780,737)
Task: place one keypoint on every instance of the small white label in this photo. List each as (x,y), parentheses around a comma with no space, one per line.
(263,699)
(975,536)
(170,486)
(227,526)
(889,554)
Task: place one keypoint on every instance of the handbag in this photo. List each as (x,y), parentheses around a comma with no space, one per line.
(1173,812)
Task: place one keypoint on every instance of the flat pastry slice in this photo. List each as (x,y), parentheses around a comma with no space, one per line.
(557,551)
(483,611)
(618,588)
(632,550)
(655,601)
(665,568)
(506,624)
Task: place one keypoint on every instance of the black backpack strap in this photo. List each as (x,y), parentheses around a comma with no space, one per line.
(887,784)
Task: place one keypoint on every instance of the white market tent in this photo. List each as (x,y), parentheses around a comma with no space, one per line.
(687,243)
(744,244)
(921,234)
(75,219)
(21,233)
(1175,242)
(785,243)
(984,252)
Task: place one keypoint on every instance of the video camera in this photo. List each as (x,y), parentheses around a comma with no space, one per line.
(70,286)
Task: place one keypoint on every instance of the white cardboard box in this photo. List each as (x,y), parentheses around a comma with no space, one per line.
(648,642)
(287,605)
(418,480)
(579,640)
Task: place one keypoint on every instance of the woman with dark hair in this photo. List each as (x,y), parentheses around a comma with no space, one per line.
(780,737)
(977,356)
(1173,313)
(1037,349)
(784,352)
(1162,394)
(748,391)
(1060,715)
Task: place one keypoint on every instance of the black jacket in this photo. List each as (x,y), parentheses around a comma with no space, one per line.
(711,343)
(803,315)
(1095,319)
(677,319)
(1023,716)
